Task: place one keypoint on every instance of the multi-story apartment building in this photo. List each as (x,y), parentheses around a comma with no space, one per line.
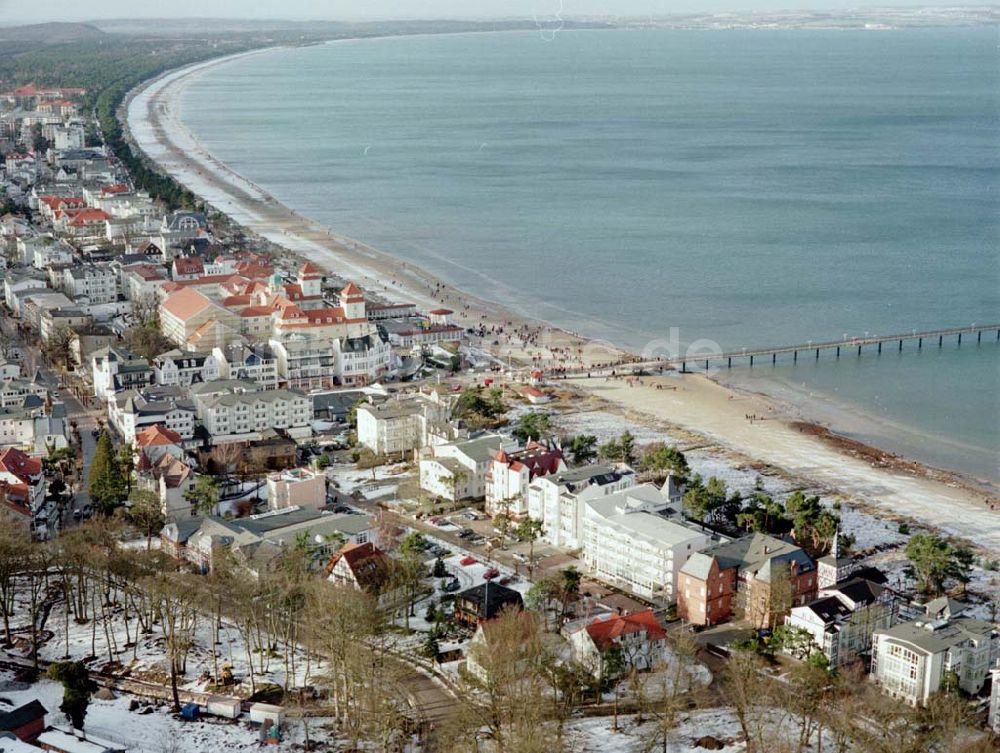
(634,540)
(315,361)
(843,618)
(237,411)
(458,470)
(510,473)
(178,368)
(398,426)
(115,369)
(558,499)
(913,660)
(255,363)
(90,284)
(759,575)
(132,411)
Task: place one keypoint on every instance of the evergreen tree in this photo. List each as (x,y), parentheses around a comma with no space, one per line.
(105,481)
(77,689)
(934,561)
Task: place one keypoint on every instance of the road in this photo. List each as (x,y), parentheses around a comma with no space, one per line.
(86,421)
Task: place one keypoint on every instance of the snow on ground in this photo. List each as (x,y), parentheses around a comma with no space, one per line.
(155,732)
(606,425)
(868,530)
(349,478)
(595,735)
(147,659)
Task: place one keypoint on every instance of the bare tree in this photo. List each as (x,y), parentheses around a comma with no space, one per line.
(176,602)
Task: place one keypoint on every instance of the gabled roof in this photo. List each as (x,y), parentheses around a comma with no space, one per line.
(368,564)
(22,715)
(189,265)
(157,436)
(89,215)
(20,464)
(605,633)
(755,554)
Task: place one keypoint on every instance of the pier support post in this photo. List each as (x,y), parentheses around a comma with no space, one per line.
(706,364)
(817,354)
(979,336)
(959,338)
(940,340)
(730,362)
(684,367)
(751,360)
(774,358)
(859,350)
(795,356)
(900,346)
(920,343)
(880,348)
(838,351)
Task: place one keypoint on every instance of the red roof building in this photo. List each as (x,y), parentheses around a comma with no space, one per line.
(361,566)
(640,637)
(18,466)
(509,475)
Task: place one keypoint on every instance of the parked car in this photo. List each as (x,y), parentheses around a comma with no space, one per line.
(491,574)
(451,586)
(466,561)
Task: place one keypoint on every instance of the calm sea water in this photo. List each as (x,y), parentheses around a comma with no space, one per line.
(746,187)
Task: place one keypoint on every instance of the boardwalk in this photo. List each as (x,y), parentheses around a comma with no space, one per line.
(810,349)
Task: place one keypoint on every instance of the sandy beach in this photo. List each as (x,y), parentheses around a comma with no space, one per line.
(698,405)
(692,402)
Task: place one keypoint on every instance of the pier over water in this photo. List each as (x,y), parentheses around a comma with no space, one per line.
(936,338)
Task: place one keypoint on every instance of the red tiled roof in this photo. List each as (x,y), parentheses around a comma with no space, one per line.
(115,188)
(157,435)
(189,265)
(254,270)
(20,464)
(368,563)
(256,311)
(605,633)
(310,270)
(89,215)
(442,312)
(55,202)
(351,291)
(236,300)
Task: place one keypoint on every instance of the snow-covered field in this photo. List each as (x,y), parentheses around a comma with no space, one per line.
(595,735)
(141,731)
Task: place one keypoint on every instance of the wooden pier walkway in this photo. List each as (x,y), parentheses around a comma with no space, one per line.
(752,356)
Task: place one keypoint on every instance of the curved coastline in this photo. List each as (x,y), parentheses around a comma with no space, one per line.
(153,122)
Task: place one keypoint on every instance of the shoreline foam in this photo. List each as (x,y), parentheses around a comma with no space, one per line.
(168,142)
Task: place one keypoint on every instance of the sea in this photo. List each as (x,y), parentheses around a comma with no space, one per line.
(660,188)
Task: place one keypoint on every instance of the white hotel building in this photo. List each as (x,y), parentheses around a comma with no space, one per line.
(629,542)
(910,660)
(234,411)
(558,499)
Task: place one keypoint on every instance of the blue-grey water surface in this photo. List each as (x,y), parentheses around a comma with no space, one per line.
(750,187)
